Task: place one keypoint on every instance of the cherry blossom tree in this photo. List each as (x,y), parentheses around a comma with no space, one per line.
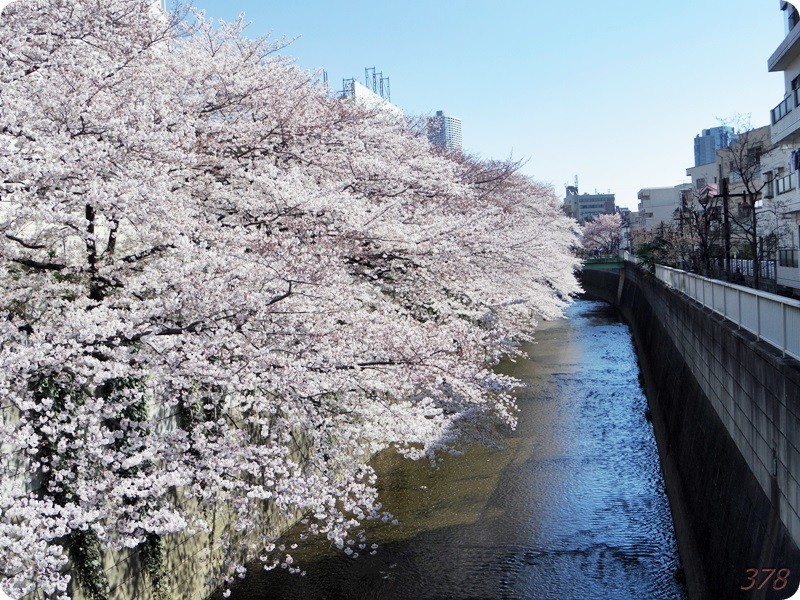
(222,286)
(603,233)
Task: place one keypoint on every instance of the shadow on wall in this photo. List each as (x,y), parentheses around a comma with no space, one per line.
(726,413)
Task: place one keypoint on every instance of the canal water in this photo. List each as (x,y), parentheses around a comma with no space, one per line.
(573,507)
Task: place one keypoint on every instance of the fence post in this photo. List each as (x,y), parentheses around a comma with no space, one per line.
(784,329)
(713,304)
(739,298)
(725,301)
(758,317)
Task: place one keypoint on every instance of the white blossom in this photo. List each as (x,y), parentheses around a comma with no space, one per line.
(221,284)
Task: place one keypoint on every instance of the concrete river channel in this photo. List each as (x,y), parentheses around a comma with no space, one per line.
(574,506)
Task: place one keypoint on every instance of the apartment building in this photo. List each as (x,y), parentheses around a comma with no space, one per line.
(780,165)
(658,206)
(444,131)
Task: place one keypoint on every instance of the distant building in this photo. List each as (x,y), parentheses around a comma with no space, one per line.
(375,94)
(444,131)
(587,206)
(659,205)
(709,141)
(369,99)
(159,9)
(704,175)
(625,228)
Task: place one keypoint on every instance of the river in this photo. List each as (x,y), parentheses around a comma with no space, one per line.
(573,507)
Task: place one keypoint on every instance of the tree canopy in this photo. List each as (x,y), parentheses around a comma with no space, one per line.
(220,282)
(602,233)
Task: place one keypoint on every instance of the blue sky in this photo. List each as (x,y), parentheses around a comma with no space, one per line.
(613,92)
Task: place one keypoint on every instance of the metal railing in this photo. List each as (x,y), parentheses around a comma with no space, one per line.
(783,109)
(771,318)
(785,184)
(788,258)
(766,268)
(628,257)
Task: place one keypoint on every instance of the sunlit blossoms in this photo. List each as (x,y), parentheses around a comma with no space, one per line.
(602,234)
(223,287)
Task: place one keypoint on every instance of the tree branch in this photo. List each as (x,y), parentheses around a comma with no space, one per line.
(42,266)
(22,242)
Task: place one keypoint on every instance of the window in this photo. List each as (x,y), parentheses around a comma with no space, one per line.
(769,191)
(788,258)
(754,155)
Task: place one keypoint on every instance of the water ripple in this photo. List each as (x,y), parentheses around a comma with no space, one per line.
(573,508)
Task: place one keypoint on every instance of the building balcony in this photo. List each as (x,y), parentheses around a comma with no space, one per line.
(785,119)
(788,276)
(787,53)
(785,194)
(789,258)
(784,185)
(784,108)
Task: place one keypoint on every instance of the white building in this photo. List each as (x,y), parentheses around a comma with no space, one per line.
(703,176)
(159,8)
(375,99)
(658,205)
(780,165)
(444,131)
(365,97)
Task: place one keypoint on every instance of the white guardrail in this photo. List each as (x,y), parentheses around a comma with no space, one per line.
(771,318)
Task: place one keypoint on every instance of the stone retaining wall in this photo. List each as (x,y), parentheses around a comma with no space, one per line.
(726,413)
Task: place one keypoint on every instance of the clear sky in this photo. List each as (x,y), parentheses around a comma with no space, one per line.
(612,91)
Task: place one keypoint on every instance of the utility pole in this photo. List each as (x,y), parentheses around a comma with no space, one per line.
(726,195)
(726,226)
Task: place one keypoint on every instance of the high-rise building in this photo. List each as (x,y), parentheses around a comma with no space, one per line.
(709,141)
(444,131)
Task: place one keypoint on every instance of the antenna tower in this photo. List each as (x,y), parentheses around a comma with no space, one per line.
(376,82)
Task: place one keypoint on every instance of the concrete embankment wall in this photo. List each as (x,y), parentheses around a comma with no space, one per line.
(191,561)
(726,413)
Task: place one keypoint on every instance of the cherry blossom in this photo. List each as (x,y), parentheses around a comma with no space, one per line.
(602,233)
(223,286)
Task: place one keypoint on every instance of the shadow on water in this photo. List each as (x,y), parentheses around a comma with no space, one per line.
(573,507)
